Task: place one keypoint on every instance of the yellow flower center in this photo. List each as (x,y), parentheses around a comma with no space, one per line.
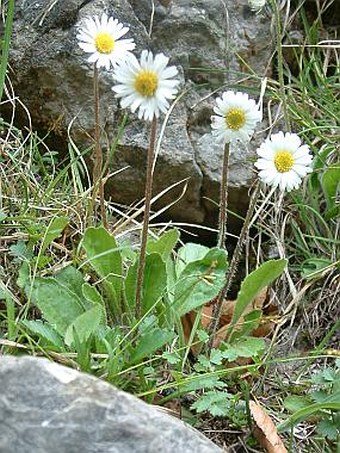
(104,42)
(235,119)
(146,83)
(283,161)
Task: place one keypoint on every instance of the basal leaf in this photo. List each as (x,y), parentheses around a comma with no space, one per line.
(165,244)
(84,326)
(149,343)
(188,253)
(130,285)
(254,283)
(73,279)
(250,322)
(154,283)
(311,266)
(200,281)
(330,181)
(45,331)
(103,254)
(305,412)
(92,295)
(59,306)
(294,403)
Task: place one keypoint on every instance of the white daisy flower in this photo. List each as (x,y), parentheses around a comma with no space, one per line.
(283,161)
(236,117)
(256,5)
(146,86)
(101,38)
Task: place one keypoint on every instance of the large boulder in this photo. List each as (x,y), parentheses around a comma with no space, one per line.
(210,41)
(48,408)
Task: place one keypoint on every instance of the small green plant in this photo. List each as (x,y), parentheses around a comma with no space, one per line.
(90,309)
(322,403)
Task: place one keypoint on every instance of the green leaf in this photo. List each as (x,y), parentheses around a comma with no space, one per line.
(318,396)
(330,429)
(312,266)
(200,281)
(172,357)
(24,275)
(3,216)
(72,279)
(45,331)
(250,322)
(165,244)
(330,181)
(326,376)
(130,285)
(188,253)
(333,212)
(203,364)
(245,347)
(306,412)
(59,306)
(202,335)
(329,374)
(92,295)
(149,343)
(154,283)
(294,403)
(21,250)
(128,252)
(84,326)
(104,256)
(83,349)
(215,402)
(54,230)
(171,279)
(254,283)
(199,382)
(216,356)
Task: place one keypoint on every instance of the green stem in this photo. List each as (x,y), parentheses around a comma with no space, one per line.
(148,195)
(6,44)
(276,10)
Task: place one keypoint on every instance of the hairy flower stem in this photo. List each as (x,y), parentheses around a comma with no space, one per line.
(276,9)
(217,311)
(98,184)
(147,206)
(222,218)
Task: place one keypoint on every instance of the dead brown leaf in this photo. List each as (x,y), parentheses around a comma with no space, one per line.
(266,432)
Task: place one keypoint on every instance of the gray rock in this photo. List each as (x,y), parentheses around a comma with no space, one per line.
(48,408)
(210,41)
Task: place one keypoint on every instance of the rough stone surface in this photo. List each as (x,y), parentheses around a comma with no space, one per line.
(48,408)
(210,41)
